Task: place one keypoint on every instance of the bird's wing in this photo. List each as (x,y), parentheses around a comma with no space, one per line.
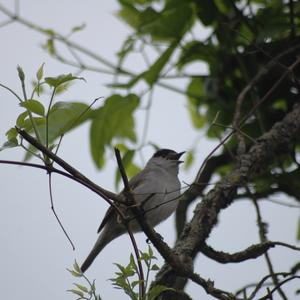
(109,213)
(134,182)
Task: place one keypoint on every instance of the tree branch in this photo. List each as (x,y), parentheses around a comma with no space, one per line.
(260,155)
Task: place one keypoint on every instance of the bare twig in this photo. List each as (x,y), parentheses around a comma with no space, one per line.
(277,287)
(55,214)
(263,238)
(130,201)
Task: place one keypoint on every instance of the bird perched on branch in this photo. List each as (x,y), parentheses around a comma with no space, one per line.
(156,188)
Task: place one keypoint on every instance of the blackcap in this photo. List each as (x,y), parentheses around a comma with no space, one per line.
(156,188)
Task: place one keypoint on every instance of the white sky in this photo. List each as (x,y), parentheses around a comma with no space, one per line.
(34,252)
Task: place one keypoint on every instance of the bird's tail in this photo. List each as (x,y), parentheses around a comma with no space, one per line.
(102,241)
(86,264)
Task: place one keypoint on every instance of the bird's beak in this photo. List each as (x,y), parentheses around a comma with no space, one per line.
(176,156)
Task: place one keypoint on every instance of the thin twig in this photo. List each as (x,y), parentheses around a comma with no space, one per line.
(54,212)
(263,239)
(277,287)
(130,200)
(101,191)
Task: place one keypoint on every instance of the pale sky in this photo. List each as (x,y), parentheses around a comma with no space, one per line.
(34,251)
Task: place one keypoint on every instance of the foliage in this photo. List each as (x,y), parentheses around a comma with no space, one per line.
(128,278)
(248,46)
(87,291)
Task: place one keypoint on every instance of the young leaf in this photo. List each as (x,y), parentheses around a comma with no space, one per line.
(11,134)
(21,73)
(34,106)
(189,160)
(157,290)
(75,274)
(57,81)
(21,119)
(82,287)
(76,292)
(40,72)
(10,144)
(78,28)
(298,230)
(50,47)
(76,267)
(155,267)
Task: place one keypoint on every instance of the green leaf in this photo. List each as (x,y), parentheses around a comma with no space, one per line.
(75,274)
(34,106)
(40,72)
(189,160)
(9,144)
(76,267)
(11,134)
(57,81)
(155,267)
(135,283)
(129,84)
(21,73)
(129,13)
(171,23)
(76,292)
(63,117)
(113,120)
(157,290)
(82,287)
(50,47)
(197,51)
(152,74)
(298,230)
(78,28)
(49,31)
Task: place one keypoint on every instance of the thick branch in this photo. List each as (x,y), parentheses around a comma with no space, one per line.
(251,252)
(260,155)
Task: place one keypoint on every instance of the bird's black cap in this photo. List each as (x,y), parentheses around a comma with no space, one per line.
(168,153)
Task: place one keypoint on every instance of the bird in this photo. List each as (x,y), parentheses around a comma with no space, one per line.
(156,189)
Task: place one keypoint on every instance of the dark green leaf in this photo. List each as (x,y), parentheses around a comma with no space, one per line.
(157,290)
(155,268)
(129,13)
(129,84)
(171,23)
(34,106)
(113,120)
(152,74)
(197,51)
